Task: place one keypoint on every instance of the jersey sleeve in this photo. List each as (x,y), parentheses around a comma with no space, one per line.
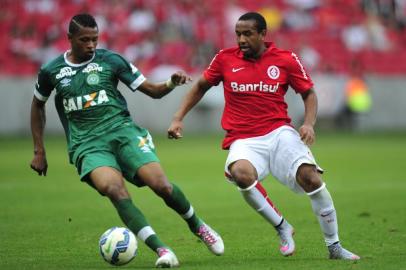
(214,73)
(43,86)
(126,72)
(299,80)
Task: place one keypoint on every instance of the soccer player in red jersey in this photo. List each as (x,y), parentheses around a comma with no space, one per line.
(261,141)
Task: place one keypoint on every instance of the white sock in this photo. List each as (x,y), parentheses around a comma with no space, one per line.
(256,196)
(323,207)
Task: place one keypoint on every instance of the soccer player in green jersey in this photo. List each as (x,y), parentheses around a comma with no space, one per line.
(104,144)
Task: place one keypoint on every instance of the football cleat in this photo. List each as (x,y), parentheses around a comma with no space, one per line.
(337,252)
(211,239)
(167,259)
(287,244)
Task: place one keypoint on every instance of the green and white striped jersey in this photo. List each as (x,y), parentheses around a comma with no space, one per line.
(87,98)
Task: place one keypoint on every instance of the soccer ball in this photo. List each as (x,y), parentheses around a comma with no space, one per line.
(118,246)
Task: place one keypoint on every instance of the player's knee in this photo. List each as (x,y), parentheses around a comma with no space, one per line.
(165,191)
(162,187)
(308,177)
(115,191)
(243,177)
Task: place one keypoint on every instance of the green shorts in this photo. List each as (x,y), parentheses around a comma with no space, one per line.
(125,149)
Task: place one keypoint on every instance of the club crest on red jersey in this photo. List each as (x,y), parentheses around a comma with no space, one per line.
(273,72)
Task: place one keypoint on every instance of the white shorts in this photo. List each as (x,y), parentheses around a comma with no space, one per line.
(279,153)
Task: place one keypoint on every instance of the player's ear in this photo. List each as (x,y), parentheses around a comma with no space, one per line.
(263,34)
(70,36)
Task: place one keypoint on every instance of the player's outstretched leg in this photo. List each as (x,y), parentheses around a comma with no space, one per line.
(257,197)
(136,222)
(323,207)
(167,259)
(178,202)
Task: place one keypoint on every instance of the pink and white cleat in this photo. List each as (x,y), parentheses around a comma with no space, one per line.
(287,244)
(211,239)
(167,259)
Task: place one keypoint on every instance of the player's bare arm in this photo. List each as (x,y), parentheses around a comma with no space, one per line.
(307,129)
(39,161)
(189,101)
(159,90)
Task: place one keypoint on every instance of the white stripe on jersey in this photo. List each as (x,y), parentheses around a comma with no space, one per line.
(214,58)
(133,68)
(134,85)
(39,96)
(300,65)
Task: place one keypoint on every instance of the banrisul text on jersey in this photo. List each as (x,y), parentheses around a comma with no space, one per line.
(261,87)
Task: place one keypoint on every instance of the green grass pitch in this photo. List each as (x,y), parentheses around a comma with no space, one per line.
(55,222)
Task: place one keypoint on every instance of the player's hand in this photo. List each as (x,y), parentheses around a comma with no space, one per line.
(179,78)
(175,129)
(307,134)
(39,164)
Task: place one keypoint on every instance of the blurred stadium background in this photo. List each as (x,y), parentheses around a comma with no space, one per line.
(337,41)
(356,53)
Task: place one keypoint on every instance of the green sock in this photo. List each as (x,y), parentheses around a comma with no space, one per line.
(136,222)
(181,205)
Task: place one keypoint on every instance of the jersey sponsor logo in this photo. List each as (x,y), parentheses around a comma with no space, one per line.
(133,68)
(237,69)
(86,101)
(300,65)
(273,72)
(65,82)
(253,87)
(145,143)
(92,67)
(65,72)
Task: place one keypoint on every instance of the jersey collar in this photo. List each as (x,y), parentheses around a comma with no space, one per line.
(65,56)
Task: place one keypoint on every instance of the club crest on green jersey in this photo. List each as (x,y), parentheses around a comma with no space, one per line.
(92,69)
(92,79)
(86,101)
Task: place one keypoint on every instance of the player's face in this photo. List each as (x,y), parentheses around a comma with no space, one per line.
(251,42)
(84,43)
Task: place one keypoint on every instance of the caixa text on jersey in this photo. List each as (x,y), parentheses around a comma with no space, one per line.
(86,101)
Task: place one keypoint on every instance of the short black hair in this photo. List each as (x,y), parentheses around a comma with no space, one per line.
(81,20)
(258,18)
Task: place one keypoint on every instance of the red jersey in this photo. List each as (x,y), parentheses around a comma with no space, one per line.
(254,90)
